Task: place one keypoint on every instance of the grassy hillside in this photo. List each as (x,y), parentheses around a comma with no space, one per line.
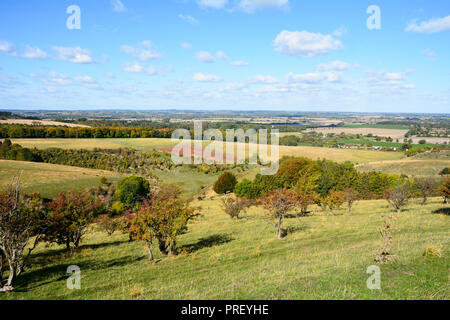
(50,179)
(324,257)
(408,167)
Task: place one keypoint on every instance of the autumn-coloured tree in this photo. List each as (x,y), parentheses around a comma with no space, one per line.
(164,217)
(334,200)
(20,218)
(70,215)
(350,197)
(445,189)
(399,196)
(306,189)
(225,184)
(278,203)
(234,206)
(426,186)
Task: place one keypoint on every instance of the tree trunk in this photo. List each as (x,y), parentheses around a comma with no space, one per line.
(68,245)
(150,253)
(12,275)
(424,201)
(1,268)
(349,210)
(399,210)
(280,221)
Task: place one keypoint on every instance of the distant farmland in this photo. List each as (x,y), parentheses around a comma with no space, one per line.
(42,123)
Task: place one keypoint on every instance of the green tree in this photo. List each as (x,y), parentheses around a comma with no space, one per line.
(132,190)
(225,184)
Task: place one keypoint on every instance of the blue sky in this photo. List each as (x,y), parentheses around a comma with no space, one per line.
(291,55)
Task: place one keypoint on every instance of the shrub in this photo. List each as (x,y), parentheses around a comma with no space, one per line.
(426,186)
(225,184)
(132,190)
(278,203)
(399,196)
(233,206)
(243,189)
(445,189)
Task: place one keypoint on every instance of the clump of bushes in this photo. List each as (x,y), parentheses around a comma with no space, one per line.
(225,184)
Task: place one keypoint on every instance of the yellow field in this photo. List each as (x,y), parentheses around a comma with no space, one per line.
(356,156)
(42,123)
(408,167)
(49,179)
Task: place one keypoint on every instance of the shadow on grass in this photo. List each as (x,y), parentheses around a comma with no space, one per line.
(46,275)
(445,211)
(214,240)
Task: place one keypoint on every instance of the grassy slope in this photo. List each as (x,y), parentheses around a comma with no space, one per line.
(50,179)
(408,167)
(326,257)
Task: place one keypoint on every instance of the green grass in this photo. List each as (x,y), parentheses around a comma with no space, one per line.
(50,179)
(325,257)
(408,167)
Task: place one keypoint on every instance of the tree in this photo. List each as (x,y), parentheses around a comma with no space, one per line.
(164,217)
(445,189)
(399,196)
(445,171)
(426,186)
(334,200)
(70,215)
(132,190)
(19,221)
(225,184)
(350,197)
(234,206)
(278,203)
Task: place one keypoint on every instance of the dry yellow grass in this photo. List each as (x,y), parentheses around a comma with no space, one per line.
(42,123)
(393,133)
(407,167)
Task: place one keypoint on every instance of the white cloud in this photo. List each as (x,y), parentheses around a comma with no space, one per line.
(239,63)
(341,31)
(221,55)
(85,79)
(6,47)
(204,56)
(136,67)
(75,55)
(335,65)
(316,77)
(385,78)
(118,6)
(110,75)
(430,54)
(430,26)
(188,19)
(253,5)
(203,77)
(56,78)
(215,4)
(144,51)
(305,44)
(186,45)
(34,53)
(262,79)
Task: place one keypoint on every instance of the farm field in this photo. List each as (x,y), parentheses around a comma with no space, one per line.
(42,122)
(407,167)
(323,257)
(50,179)
(382,132)
(357,156)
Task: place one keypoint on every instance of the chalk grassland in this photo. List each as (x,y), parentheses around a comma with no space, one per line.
(357,156)
(42,123)
(323,257)
(407,167)
(50,179)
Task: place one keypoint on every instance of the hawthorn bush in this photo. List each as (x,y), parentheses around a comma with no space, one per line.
(225,184)
(132,190)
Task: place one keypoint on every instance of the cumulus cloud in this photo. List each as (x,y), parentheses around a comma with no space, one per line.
(75,55)
(144,51)
(203,77)
(215,4)
(204,56)
(118,6)
(6,47)
(335,65)
(314,77)
(305,44)
(253,5)
(430,26)
(188,19)
(85,79)
(221,55)
(34,53)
